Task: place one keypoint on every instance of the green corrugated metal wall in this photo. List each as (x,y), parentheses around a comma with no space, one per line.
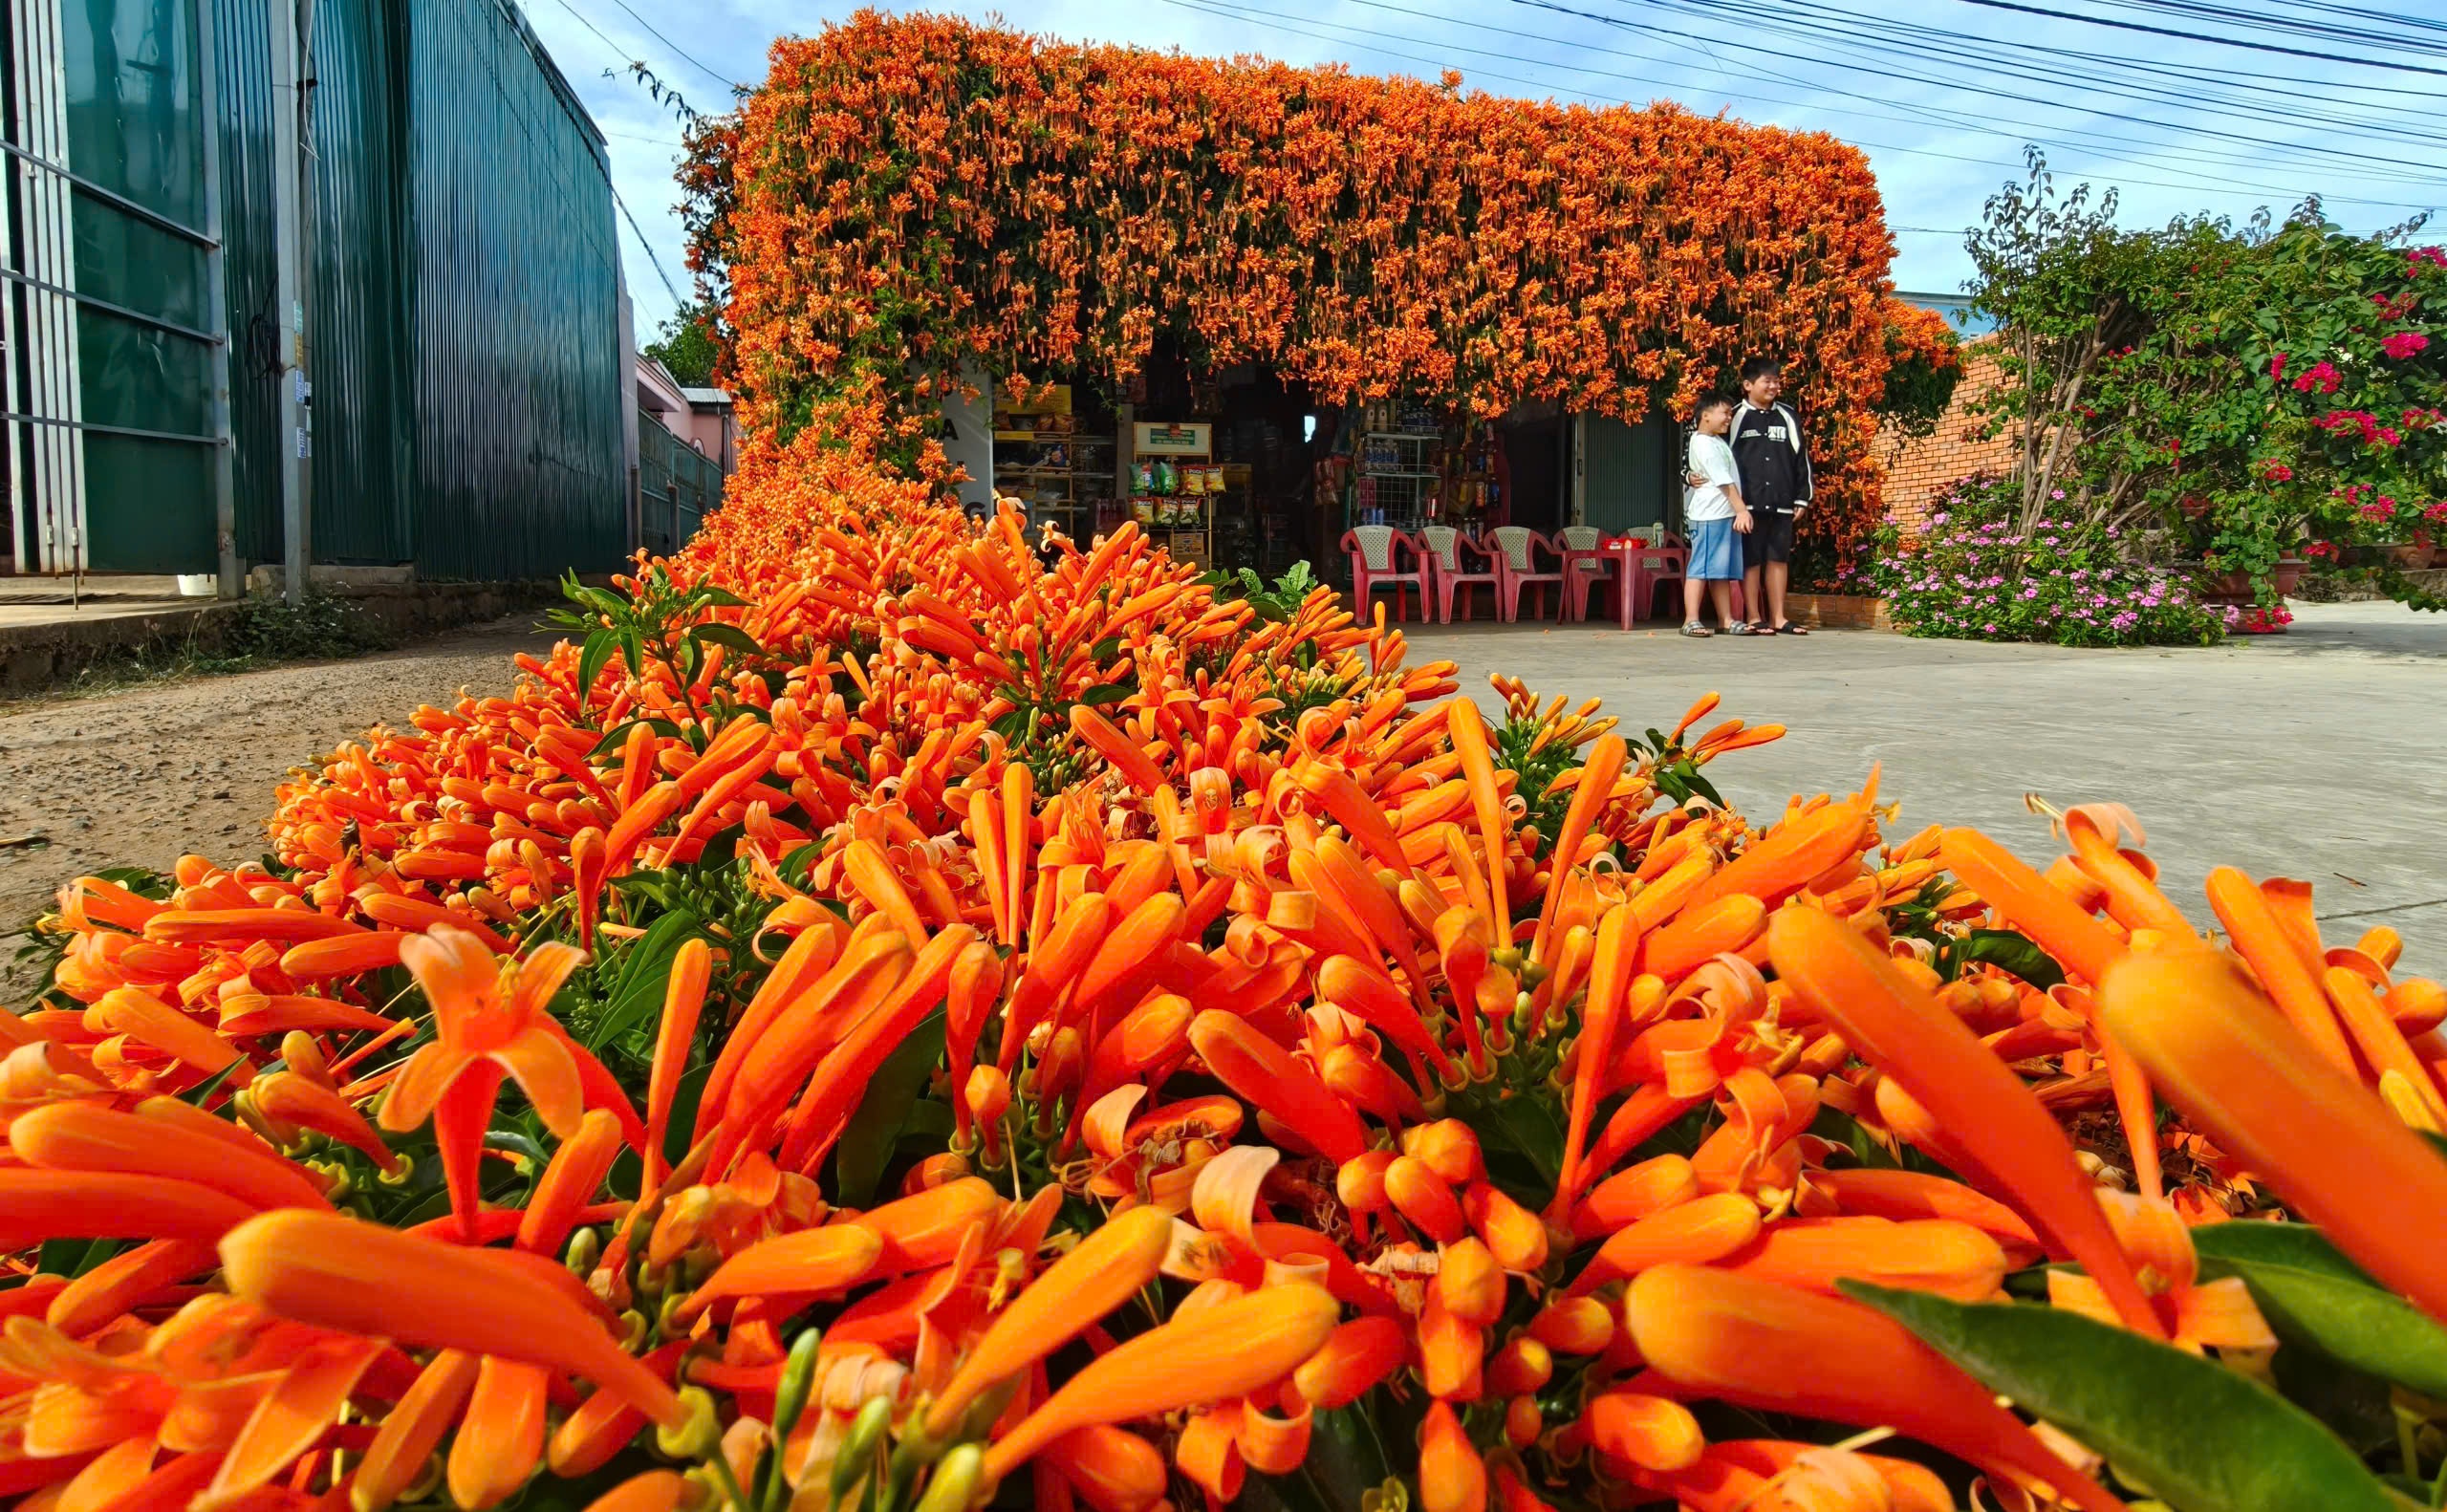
(242,52)
(134,97)
(520,379)
(463,284)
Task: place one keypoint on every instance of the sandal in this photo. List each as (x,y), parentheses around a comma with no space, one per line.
(1744,627)
(1698,630)
(1788,628)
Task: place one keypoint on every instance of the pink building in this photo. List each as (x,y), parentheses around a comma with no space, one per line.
(698,417)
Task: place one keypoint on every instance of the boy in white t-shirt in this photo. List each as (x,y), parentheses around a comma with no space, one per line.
(1714,517)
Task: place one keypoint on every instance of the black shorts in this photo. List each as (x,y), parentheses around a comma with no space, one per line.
(1771,539)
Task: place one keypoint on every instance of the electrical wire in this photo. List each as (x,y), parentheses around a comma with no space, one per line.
(2080,70)
(1272,21)
(684,52)
(581,19)
(668,286)
(1920,115)
(2256,142)
(2196,37)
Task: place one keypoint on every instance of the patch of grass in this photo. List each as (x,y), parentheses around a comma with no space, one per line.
(256,632)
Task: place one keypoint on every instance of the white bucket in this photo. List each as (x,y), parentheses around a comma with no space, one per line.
(198,585)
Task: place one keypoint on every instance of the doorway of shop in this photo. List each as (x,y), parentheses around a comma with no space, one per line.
(1626,473)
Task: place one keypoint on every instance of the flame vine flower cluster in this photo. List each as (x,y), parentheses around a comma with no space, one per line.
(886,1017)
(906,194)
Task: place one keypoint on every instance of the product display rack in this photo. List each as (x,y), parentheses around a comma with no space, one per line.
(1399,479)
(1060,476)
(1177,451)
(1052,461)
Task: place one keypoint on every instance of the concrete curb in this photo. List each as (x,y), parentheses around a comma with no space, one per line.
(1838,611)
(36,654)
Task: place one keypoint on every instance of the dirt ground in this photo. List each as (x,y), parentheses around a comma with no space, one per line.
(140,778)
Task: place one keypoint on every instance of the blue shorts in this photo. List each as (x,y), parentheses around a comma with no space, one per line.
(1716,551)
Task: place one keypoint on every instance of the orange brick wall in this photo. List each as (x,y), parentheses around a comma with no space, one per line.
(1919,469)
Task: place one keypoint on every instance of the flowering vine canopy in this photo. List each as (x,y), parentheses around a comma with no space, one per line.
(905,194)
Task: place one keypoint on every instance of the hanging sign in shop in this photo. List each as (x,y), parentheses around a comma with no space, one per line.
(1188,439)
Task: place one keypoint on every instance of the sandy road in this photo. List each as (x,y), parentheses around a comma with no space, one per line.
(142,777)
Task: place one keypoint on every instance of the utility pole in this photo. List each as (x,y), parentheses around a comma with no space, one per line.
(289,236)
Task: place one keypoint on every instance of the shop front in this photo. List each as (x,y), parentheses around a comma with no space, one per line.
(1243,470)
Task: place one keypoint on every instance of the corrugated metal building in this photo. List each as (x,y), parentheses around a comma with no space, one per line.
(464,340)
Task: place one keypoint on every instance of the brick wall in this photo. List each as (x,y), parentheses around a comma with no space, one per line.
(1919,469)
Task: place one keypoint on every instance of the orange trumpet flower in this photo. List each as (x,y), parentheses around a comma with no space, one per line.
(1229,1350)
(1755,1343)
(1984,1108)
(2255,1085)
(491,1021)
(359,1278)
(1115,1260)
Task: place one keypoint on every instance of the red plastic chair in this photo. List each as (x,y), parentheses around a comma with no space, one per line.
(1445,546)
(1651,560)
(1375,555)
(1587,564)
(1516,548)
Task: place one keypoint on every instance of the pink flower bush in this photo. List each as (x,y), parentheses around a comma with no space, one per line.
(2319,376)
(2404,344)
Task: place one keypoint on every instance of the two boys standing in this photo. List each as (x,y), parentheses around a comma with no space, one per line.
(1748,480)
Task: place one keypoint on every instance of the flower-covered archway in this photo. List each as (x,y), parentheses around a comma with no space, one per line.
(905,194)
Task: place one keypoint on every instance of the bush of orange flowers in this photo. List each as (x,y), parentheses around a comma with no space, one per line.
(890,1014)
(905,195)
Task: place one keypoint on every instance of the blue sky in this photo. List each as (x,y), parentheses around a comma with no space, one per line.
(2180,127)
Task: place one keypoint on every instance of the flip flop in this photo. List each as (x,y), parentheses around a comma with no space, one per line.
(1788,628)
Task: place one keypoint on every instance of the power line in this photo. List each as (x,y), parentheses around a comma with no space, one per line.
(2004,56)
(2074,135)
(2289,26)
(726,83)
(2197,36)
(581,19)
(668,286)
(1262,18)
(2258,143)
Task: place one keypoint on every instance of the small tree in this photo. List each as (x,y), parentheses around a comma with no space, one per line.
(685,345)
(2236,396)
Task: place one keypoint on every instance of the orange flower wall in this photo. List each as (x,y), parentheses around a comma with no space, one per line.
(905,193)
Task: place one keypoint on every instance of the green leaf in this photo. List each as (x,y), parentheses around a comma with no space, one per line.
(1348,1456)
(2008,951)
(612,741)
(1104,693)
(684,1101)
(1526,1126)
(2312,1295)
(722,597)
(201,1092)
(730,637)
(1105,650)
(2199,1436)
(867,1140)
(72,1258)
(644,972)
(598,651)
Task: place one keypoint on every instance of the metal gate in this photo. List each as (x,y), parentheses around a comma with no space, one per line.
(678,486)
(112,319)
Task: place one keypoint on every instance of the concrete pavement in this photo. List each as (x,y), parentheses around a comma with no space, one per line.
(2321,753)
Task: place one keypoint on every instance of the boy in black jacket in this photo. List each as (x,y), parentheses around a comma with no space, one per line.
(1774,462)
